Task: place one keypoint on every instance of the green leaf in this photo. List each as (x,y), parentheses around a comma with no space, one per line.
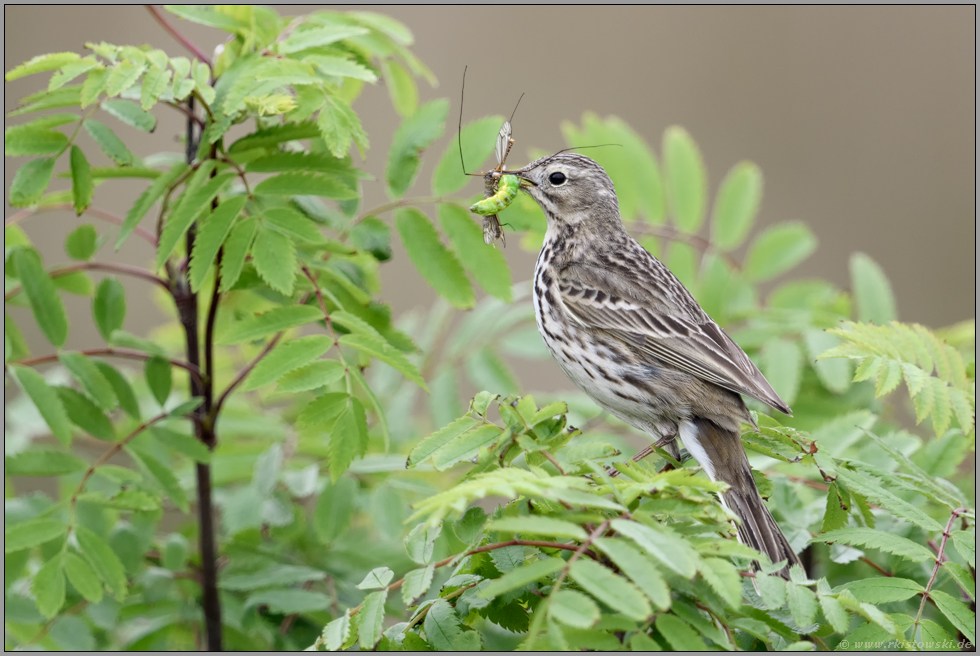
(348,438)
(48,587)
(836,514)
(417,583)
(478,140)
(420,541)
(192,203)
(611,589)
(778,249)
(887,542)
(638,568)
(662,543)
(679,634)
(416,133)
(382,350)
(270,576)
(274,258)
(336,633)
(371,618)
(318,37)
(41,63)
(323,410)
(881,590)
(834,373)
(46,305)
(872,291)
(314,375)
(435,262)
(121,388)
(522,576)
(539,525)
(305,184)
(958,613)
(110,144)
(401,87)
(64,97)
(340,67)
(289,601)
(94,85)
(686,179)
(182,410)
(85,414)
(236,249)
(287,357)
(736,206)
(159,378)
(573,608)
(486,265)
(131,114)
(874,489)
(82,187)
(835,613)
(164,477)
(45,399)
(122,76)
(88,375)
(338,124)
(935,637)
(146,200)
(83,578)
(103,560)
(30,182)
(966,546)
(292,224)
(379,577)
(465,446)
(782,365)
(424,449)
(802,604)
(32,140)
(32,533)
(155,82)
(268,323)
(109,307)
(210,237)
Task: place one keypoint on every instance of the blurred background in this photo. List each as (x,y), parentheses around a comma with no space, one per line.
(861,118)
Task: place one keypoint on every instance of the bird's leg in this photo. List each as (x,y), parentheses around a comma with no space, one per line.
(667,443)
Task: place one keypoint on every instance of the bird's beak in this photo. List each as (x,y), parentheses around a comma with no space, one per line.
(525,181)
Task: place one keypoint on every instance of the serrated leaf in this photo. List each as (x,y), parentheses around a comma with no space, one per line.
(835,613)
(334,509)
(103,560)
(42,462)
(435,262)
(890,543)
(465,446)
(382,350)
(318,37)
(401,87)
(122,76)
(478,140)
(872,291)
(286,357)
(269,323)
(942,411)
(686,179)
(883,589)
(109,307)
(236,247)
(94,85)
(778,249)
(308,184)
(736,206)
(663,544)
(88,375)
(338,125)
(340,67)
(379,577)
(873,488)
(110,144)
(958,613)
(638,568)
(417,583)
(348,438)
(83,578)
(159,378)
(486,265)
(611,589)
(210,237)
(371,618)
(122,389)
(539,525)
(274,258)
(782,366)
(420,542)
(30,182)
(193,202)
(48,587)
(323,410)
(416,133)
(313,375)
(45,399)
(18,537)
(130,113)
(802,604)
(522,576)
(146,200)
(32,140)
(82,187)
(41,63)
(336,633)
(573,609)
(46,305)
(155,82)
(966,546)
(424,449)
(85,414)
(289,601)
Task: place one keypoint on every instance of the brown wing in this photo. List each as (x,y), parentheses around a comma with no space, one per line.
(653,321)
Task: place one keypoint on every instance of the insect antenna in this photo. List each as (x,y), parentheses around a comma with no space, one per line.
(565,150)
(511,119)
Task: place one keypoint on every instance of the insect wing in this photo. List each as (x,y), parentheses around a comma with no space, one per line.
(503,143)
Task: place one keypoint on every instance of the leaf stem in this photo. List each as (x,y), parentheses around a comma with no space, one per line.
(124,269)
(939,561)
(408,202)
(128,354)
(177,35)
(97,213)
(673,234)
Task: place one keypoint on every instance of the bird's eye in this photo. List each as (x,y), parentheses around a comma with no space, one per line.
(557,178)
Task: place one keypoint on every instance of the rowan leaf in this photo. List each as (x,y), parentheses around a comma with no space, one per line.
(478,139)
(18,537)
(88,375)
(211,236)
(103,560)
(274,258)
(736,206)
(192,204)
(872,291)
(611,589)
(32,139)
(46,305)
(83,578)
(269,323)
(286,357)
(237,246)
(30,182)
(487,265)
(686,179)
(415,134)
(573,608)
(45,399)
(48,587)
(110,144)
(311,376)
(778,249)
(434,262)
(131,113)
(41,63)
(887,542)
(109,307)
(305,184)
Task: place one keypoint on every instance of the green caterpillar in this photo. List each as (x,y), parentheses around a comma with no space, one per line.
(507,188)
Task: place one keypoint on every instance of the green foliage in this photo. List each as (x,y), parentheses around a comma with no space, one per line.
(342,456)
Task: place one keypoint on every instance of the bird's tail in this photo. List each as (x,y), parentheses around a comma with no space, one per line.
(720,453)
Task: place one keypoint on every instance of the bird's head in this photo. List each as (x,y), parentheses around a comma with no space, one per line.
(570,188)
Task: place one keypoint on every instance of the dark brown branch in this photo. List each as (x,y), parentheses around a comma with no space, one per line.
(128,354)
(177,35)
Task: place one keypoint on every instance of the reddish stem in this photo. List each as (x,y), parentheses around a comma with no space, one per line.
(184,41)
(128,354)
(93,211)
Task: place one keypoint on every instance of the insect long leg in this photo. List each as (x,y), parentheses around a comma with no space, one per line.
(459,127)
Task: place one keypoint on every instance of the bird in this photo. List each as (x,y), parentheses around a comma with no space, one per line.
(628,333)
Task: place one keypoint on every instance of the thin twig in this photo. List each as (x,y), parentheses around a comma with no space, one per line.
(881,570)
(407,202)
(939,561)
(93,211)
(186,112)
(177,35)
(245,372)
(124,269)
(128,354)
